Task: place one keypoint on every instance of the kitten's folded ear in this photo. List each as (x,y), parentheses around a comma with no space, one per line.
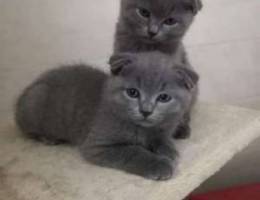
(197,6)
(118,61)
(186,77)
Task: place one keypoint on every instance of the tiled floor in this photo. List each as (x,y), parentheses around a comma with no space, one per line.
(223,43)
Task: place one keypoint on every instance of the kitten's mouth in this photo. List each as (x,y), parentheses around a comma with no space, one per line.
(150,40)
(146,123)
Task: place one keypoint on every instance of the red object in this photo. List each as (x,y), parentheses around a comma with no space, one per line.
(250,192)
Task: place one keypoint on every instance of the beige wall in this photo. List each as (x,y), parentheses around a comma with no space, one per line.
(224,46)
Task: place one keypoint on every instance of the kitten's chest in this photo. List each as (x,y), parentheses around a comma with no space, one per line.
(176,51)
(143,136)
(139,46)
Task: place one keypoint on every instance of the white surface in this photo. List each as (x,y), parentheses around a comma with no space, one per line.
(30,170)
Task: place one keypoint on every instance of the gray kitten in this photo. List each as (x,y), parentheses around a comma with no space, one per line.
(148,25)
(123,120)
(157,25)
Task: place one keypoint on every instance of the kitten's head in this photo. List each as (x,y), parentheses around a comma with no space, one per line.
(148,89)
(158,20)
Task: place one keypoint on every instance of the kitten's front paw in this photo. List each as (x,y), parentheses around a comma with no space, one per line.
(160,170)
(182,132)
(164,149)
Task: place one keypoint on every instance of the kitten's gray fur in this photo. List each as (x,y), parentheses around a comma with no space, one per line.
(133,30)
(138,33)
(85,107)
(61,104)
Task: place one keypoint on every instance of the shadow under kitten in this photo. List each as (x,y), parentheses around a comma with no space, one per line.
(124,120)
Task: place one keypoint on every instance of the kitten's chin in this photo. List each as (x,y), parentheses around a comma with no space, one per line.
(149,40)
(146,123)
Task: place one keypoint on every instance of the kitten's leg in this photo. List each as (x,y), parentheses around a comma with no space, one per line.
(163,147)
(130,158)
(183,130)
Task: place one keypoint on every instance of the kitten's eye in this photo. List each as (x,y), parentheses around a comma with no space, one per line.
(170,22)
(143,12)
(133,93)
(164,98)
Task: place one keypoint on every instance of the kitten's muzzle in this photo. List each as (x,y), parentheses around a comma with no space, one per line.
(153,31)
(146,113)
(152,34)
(146,109)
